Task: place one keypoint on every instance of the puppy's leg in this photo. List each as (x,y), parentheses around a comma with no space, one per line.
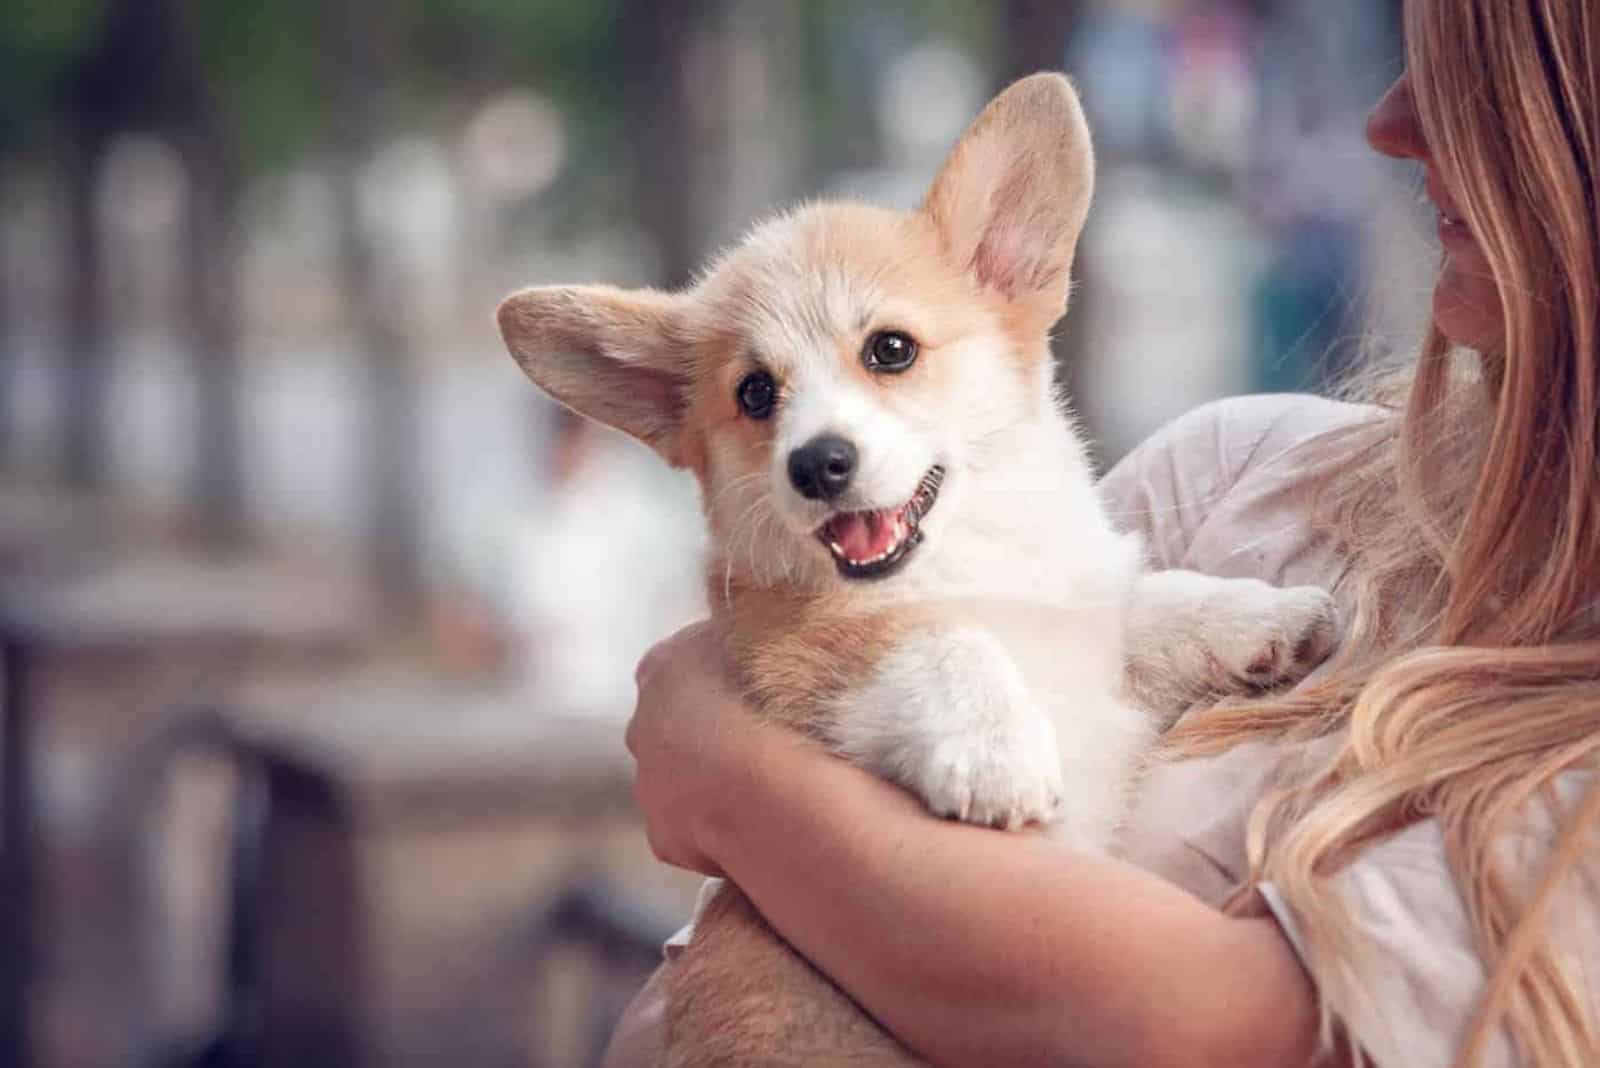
(948,714)
(739,995)
(1193,637)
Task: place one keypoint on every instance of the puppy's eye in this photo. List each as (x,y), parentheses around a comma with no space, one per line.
(889,352)
(758,394)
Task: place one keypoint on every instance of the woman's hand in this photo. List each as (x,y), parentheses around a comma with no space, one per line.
(694,739)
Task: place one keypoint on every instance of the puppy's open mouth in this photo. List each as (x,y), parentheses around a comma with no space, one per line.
(869,545)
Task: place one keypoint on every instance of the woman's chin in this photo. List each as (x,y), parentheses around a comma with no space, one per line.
(1466,307)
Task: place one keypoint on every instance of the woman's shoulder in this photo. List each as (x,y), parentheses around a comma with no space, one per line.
(1230,467)
(1270,419)
(1216,443)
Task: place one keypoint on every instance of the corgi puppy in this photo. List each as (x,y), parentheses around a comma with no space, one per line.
(906,534)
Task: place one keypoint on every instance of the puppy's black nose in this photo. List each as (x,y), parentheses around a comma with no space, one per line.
(821,469)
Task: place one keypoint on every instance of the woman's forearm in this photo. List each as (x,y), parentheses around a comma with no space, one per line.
(975,946)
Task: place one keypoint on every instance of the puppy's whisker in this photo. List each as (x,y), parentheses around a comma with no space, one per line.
(744,527)
(727,581)
(782,567)
(732,487)
(756,541)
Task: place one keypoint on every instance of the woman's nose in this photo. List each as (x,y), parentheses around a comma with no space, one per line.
(1393,127)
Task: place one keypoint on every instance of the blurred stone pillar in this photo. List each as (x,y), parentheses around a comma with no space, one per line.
(85,322)
(660,104)
(210,283)
(210,262)
(353,44)
(144,72)
(9,436)
(749,86)
(1034,37)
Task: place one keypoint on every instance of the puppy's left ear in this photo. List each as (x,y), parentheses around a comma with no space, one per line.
(1011,200)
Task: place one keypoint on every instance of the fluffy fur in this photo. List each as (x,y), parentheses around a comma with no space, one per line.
(986,674)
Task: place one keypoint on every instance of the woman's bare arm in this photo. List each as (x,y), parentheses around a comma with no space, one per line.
(971,945)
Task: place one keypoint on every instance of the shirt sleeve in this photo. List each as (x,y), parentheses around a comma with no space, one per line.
(1167,488)
(1420,977)
(681,938)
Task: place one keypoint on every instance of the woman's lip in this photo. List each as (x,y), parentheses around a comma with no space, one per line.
(1446,209)
(1453,230)
(1446,205)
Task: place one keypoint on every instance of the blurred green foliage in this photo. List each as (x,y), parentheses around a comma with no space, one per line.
(39,41)
(276,80)
(836,84)
(270,72)
(568,45)
(269,68)
(261,62)
(565,49)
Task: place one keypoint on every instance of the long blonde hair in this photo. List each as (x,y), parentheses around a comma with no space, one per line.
(1470,679)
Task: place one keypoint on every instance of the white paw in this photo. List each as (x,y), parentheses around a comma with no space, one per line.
(1002,771)
(949,716)
(1262,637)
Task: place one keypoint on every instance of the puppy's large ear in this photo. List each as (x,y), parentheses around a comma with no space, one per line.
(1011,200)
(617,356)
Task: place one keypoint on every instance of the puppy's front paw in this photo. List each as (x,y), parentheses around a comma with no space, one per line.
(950,717)
(1263,637)
(1001,771)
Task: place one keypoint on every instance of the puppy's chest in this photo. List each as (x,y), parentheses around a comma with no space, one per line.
(798,659)
(802,664)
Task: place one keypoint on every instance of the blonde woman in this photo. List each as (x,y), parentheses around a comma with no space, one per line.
(1395,862)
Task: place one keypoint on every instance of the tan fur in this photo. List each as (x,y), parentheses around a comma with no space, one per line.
(989,254)
(795,653)
(738,995)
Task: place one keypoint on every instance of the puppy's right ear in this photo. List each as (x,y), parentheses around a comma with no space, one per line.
(618,356)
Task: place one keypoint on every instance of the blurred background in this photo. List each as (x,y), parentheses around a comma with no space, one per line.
(319,623)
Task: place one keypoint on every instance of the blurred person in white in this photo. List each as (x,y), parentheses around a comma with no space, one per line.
(609,560)
(1395,862)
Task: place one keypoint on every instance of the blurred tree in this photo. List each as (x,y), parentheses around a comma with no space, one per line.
(36,46)
(850,47)
(661,108)
(210,147)
(90,69)
(131,75)
(253,103)
(358,56)
(568,48)
(245,101)
(1034,37)
(258,64)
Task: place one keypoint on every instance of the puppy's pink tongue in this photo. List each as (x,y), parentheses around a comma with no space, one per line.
(862,535)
